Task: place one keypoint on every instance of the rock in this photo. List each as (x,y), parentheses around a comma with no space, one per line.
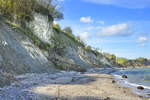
(1,61)
(82,72)
(84,80)
(108,98)
(124,91)
(6,79)
(140,87)
(124,76)
(147,95)
(113,81)
(69,74)
(63,80)
(1,91)
(41,27)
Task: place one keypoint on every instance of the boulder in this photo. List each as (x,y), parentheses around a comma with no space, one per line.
(140,87)
(69,74)
(63,80)
(124,76)
(113,81)
(108,98)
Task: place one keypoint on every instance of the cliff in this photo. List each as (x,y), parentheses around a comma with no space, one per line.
(41,48)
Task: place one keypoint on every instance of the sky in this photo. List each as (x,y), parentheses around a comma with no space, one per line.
(120,27)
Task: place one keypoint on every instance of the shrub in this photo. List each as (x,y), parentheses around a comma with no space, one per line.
(141,59)
(68,30)
(121,60)
(88,48)
(15,10)
(96,52)
(57,27)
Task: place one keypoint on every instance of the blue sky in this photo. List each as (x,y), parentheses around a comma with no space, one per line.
(120,27)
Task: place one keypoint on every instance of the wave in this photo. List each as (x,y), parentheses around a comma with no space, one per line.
(133,86)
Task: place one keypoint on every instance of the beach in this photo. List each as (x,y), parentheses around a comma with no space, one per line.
(100,89)
(99,85)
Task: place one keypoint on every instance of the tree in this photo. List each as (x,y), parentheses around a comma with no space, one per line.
(88,48)
(78,38)
(17,9)
(68,30)
(113,57)
(57,26)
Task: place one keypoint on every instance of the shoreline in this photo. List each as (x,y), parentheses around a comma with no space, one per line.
(102,88)
(133,86)
(69,85)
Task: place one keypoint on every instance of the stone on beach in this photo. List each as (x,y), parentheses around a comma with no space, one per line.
(140,87)
(113,81)
(124,76)
(63,80)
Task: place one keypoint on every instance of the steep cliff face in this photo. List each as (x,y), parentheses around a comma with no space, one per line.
(42,27)
(76,54)
(18,53)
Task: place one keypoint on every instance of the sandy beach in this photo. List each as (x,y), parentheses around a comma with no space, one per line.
(101,88)
(68,86)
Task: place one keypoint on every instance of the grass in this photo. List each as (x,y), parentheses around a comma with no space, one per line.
(74,39)
(121,60)
(70,36)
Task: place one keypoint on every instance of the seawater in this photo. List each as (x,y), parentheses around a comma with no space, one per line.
(136,77)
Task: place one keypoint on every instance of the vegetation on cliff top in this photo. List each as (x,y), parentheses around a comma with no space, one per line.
(124,62)
(18,10)
(22,10)
(69,33)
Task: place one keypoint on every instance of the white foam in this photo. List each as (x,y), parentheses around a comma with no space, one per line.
(133,86)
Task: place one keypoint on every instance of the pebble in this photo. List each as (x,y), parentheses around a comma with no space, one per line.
(22,89)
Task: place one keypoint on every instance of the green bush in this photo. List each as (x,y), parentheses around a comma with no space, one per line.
(96,52)
(88,48)
(141,59)
(57,27)
(68,30)
(15,10)
(121,60)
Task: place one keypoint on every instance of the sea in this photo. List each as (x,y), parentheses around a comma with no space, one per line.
(136,77)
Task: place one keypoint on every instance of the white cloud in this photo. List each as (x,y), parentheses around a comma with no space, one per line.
(101,22)
(84,35)
(115,30)
(142,45)
(86,19)
(90,28)
(123,3)
(142,39)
